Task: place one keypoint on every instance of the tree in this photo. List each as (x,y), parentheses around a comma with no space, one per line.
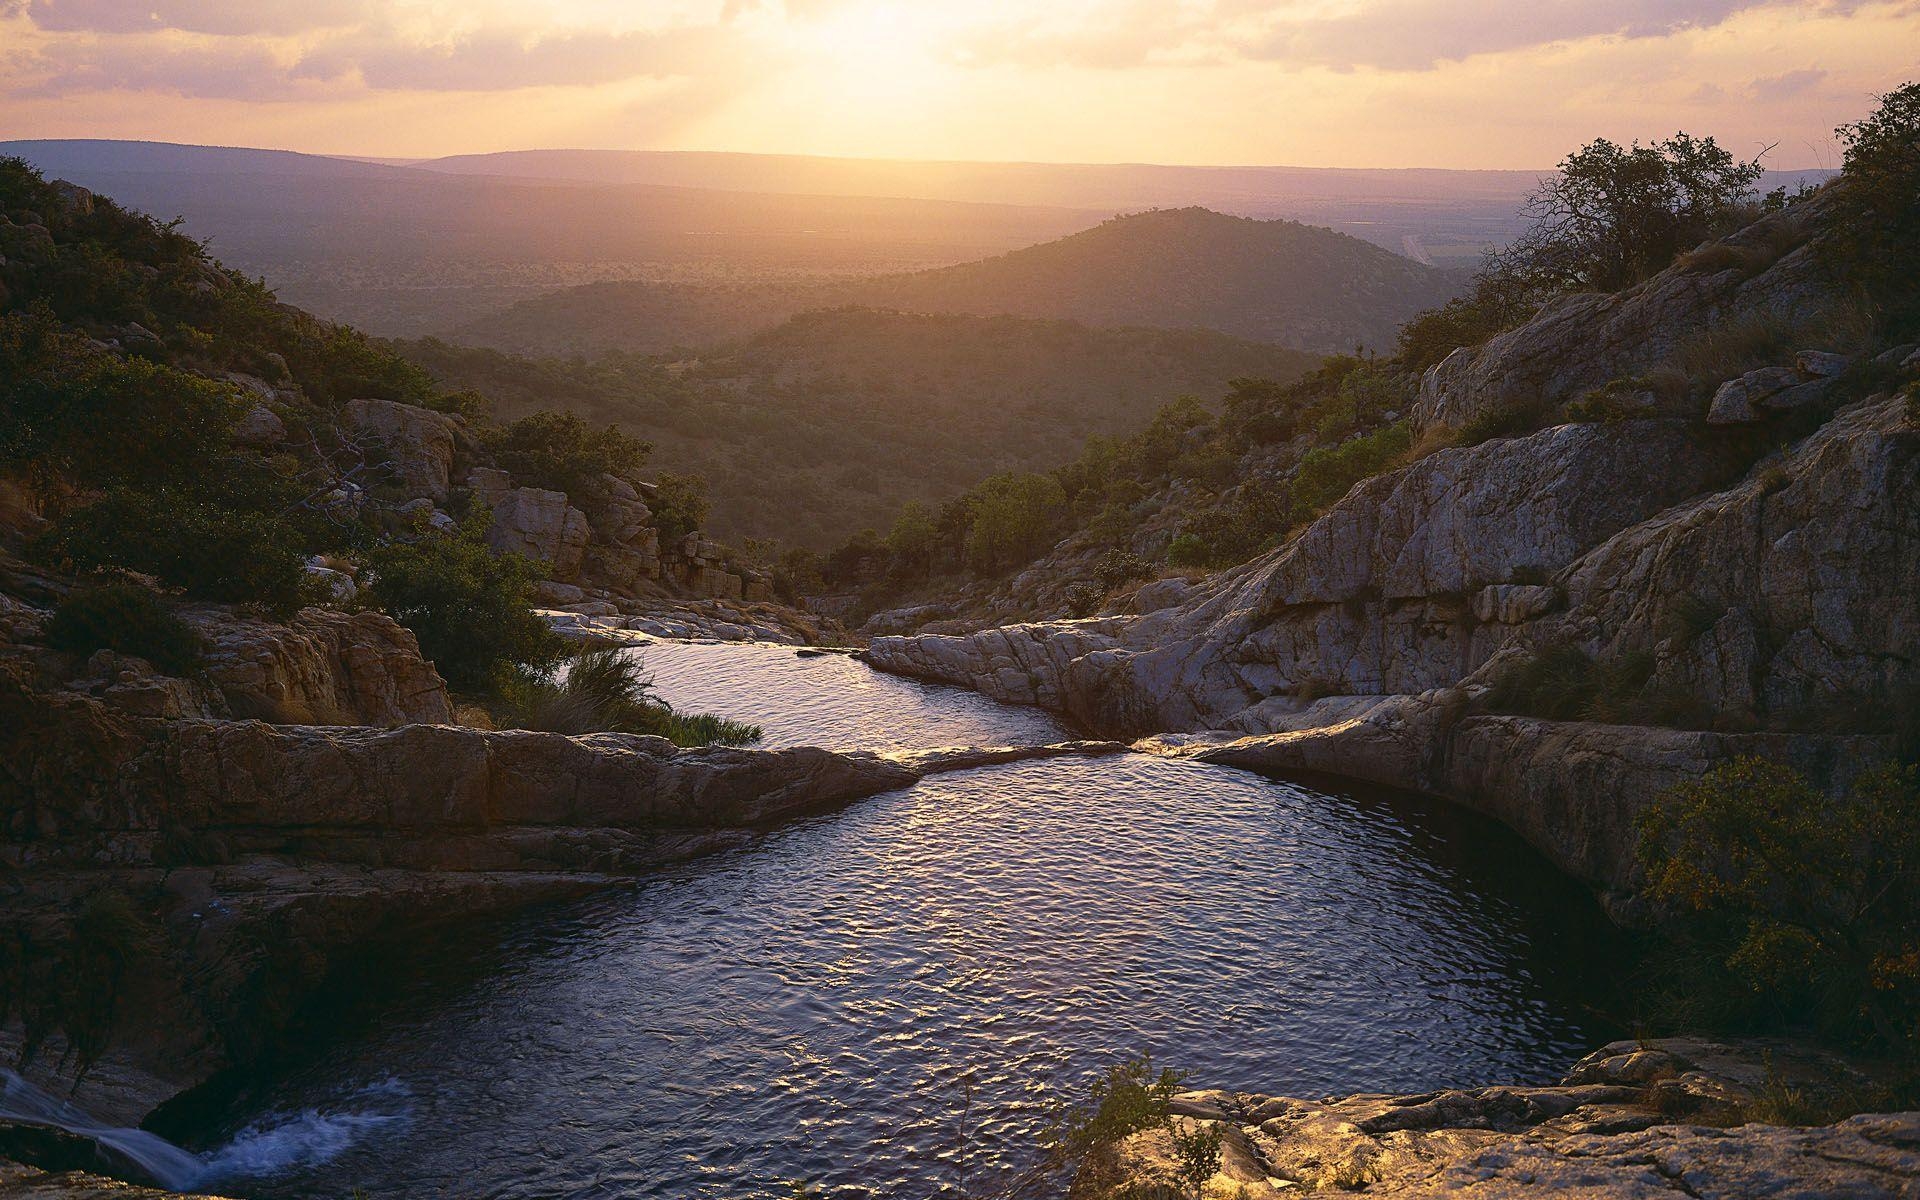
(679,504)
(915,538)
(1014,519)
(1879,200)
(1616,214)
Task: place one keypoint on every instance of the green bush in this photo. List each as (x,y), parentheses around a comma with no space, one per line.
(1117,568)
(127,619)
(679,506)
(1327,473)
(471,609)
(213,551)
(557,450)
(98,419)
(1878,203)
(607,690)
(1015,517)
(1810,903)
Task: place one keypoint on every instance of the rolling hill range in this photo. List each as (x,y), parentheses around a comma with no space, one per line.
(400,250)
(1273,281)
(829,422)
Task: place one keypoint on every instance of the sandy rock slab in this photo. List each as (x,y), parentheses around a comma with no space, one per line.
(1675,1117)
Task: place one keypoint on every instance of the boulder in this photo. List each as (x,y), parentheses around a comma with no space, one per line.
(1737,401)
(623,522)
(488,485)
(261,427)
(543,526)
(419,441)
(1822,364)
(322,668)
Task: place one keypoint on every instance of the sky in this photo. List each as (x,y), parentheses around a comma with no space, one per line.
(1383,83)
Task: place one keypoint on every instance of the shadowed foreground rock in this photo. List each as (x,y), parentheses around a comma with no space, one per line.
(1670,1118)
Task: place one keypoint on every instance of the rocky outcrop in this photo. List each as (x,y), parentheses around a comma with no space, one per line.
(418,441)
(1761,608)
(1581,343)
(1648,1120)
(1574,789)
(1381,595)
(541,525)
(322,668)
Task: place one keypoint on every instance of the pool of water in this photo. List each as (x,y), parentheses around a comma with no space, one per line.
(815,1007)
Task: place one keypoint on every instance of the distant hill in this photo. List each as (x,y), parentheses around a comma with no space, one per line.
(1274,281)
(403,251)
(829,422)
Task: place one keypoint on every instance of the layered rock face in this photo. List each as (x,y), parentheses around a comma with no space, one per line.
(1583,342)
(1632,1120)
(322,668)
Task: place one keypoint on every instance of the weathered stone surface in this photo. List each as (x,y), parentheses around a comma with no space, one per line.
(260,427)
(1514,603)
(1738,401)
(419,441)
(488,485)
(1821,364)
(19,1182)
(1583,342)
(1631,1121)
(322,668)
(1377,596)
(543,526)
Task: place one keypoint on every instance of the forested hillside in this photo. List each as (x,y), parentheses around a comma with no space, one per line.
(1271,281)
(829,422)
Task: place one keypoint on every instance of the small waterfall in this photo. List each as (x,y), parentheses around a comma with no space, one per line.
(160,1160)
(269,1147)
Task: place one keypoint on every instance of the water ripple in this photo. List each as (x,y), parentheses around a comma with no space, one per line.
(805,1009)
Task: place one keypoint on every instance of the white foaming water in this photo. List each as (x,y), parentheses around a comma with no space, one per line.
(280,1143)
(270,1146)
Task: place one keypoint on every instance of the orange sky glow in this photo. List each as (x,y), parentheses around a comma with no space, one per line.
(1495,83)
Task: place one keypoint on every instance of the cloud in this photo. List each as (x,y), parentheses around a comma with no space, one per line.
(228,69)
(1394,35)
(1781,87)
(225,17)
(503,61)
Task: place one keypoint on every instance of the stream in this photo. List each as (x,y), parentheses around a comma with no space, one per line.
(888,999)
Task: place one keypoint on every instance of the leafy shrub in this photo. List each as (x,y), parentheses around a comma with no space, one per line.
(1508,420)
(127,619)
(1811,902)
(1117,568)
(679,504)
(1565,684)
(556,449)
(471,609)
(1327,473)
(1129,1098)
(1083,598)
(1014,519)
(213,550)
(607,690)
(1878,202)
(98,419)
(1499,301)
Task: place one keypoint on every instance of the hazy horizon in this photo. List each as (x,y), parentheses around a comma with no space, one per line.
(1374,84)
